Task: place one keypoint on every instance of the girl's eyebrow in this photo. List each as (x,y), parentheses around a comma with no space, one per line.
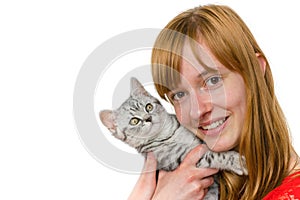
(206,72)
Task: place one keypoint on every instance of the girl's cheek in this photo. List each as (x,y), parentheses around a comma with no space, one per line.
(178,113)
(182,114)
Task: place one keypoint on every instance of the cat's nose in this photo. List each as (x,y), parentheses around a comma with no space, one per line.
(148,119)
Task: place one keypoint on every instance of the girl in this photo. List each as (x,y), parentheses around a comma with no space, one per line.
(208,65)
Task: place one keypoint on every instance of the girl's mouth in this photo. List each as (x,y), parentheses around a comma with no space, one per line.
(214,127)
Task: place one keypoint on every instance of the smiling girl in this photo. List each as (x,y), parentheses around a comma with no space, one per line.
(208,65)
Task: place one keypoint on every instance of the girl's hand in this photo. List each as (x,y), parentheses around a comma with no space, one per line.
(145,186)
(187,181)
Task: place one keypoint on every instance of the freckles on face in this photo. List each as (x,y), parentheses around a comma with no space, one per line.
(211,104)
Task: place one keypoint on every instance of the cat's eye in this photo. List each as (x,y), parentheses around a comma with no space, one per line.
(134,121)
(149,107)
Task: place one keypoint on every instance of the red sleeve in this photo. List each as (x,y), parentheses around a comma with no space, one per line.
(289,189)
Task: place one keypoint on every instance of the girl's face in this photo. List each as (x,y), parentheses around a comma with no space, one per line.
(210,103)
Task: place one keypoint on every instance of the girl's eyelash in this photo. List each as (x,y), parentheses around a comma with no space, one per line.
(173,95)
(217,77)
(214,76)
(204,85)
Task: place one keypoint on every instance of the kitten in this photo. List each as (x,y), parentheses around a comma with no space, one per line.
(143,123)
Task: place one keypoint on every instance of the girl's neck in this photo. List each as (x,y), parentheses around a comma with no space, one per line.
(294,163)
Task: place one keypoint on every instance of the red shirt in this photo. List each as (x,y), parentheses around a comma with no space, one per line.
(289,189)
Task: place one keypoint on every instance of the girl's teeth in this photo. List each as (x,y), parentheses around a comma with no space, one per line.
(214,125)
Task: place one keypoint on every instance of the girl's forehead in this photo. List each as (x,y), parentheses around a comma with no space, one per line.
(198,55)
(190,70)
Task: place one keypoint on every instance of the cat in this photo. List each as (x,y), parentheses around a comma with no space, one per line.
(144,124)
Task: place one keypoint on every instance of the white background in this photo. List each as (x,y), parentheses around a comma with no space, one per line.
(42,47)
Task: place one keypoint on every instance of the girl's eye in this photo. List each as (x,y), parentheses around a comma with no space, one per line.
(149,107)
(213,82)
(177,96)
(134,121)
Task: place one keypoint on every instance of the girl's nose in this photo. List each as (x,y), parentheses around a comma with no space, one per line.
(201,105)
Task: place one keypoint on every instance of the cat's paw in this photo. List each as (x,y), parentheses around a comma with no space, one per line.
(240,166)
(244,166)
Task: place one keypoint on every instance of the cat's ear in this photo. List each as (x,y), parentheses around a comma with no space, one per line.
(137,88)
(108,119)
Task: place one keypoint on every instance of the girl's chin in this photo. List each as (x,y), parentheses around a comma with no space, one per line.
(220,145)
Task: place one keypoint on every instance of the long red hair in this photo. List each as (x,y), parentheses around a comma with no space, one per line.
(265,139)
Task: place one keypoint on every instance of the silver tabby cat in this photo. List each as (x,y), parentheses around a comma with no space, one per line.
(143,123)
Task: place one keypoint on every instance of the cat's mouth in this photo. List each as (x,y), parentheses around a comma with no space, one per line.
(213,125)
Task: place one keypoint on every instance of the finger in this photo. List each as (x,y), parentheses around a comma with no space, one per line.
(161,174)
(209,171)
(205,183)
(199,174)
(203,193)
(145,186)
(148,174)
(194,155)
(150,163)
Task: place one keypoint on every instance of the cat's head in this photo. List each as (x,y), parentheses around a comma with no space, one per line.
(138,120)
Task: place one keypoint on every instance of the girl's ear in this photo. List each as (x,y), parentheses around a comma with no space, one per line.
(262,62)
